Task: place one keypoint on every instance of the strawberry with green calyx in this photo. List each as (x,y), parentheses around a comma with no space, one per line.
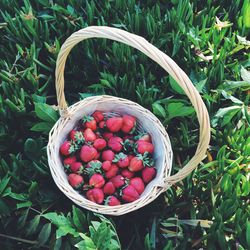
(100,144)
(129,124)
(107,135)
(93,167)
(127,174)
(143,137)
(128,145)
(122,160)
(102,124)
(77,167)
(129,193)
(77,136)
(75,180)
(67,148)
(108,155)
(144,146)
(114,124)
(87,153)
(89,135)
(98,116)
(97,181)
(138,162)
(112,201)
(96,195)
(148,174)
(112,172)
(138,184)
(68,161)
(106,165)
(89,122)
(118,181)
(109,188)
(115,143)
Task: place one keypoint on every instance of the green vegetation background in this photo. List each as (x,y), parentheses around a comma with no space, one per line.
(208,39)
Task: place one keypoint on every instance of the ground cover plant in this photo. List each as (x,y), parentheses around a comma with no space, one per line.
(209,40)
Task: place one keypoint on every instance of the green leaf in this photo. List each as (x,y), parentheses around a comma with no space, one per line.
(248,233)
(24,204)
(4,209)
(175,86)
(245,75)
(3,184)
(33,225)
(42,127)
(44,234)
(46,112)
(178,110)
(86,243)
(79,218)
(158,110)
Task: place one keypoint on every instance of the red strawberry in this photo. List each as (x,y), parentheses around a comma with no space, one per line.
(127,137)
(127,174)
(87,153)
(112,201)
(138,184)
(136,163)
(98,116)
(89,135)
(112,172)
(107,135)
(93,167)
(97,181)
(94,164)
(109,188)
(108,155)
(144,146)
(106,165)
(76,136)
(102,124)
(96,195)
(75,180)
(130,194)
(122,160)
(118,181)
(115,143)
(69,160)
(89,122)
(143,137)
(128,145)
(130,157)
(97,156)
(98,135)
(100,144)
(76,167)
(148,174)
(129,124)
(114,124)
(67,148)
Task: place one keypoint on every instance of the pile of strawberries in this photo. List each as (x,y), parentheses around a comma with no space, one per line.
(107,160)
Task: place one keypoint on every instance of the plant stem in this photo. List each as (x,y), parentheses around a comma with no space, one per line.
(33,242)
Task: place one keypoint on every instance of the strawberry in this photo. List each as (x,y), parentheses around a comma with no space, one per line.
(143,137)
(122,160)
(109,188)
(107,135)
(102,124)
(128,145)
(69,160)
(98,116)
(127,174)
(89,135)
(89,122)
(129,194)
(112,201)
(144,146)
(75,180)
(93,167)
(67,148)
(97,181)
(112,172)
(96,195)
(108,155)
(129,137)
(129,124)
(118,181)
(136,163)
(115,143)
(100,144)
(148,174)
(76,167)
(76,136)
(138,184)
(98,155)
(106,165)
(130,157)
(114,124)
(87,153)
(98,135)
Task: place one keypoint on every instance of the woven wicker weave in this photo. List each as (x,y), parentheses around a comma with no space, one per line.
(163,152)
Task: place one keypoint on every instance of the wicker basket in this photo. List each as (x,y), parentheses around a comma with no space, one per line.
(163,152)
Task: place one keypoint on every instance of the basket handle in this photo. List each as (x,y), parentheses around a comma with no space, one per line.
(159,57)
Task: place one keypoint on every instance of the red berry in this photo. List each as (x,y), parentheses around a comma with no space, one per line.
(69,160)
(108,155)
(130,194)
(118,181)
(100,144)
(76,136)
(87,153)
(97,156)
(98,116)
(89,122)
(112,172)
(130,157)
(136,164)
(107,135)
(76,167)
(109,188)
(148,174)
(114,124)
(144,146)
(67,148)
(138,184)
(143,137)
(97,181)
(106,165)
(129,124)
(94,164)
(122,160)
(75,180)
(127,174)
(89,135)
(102,124)
(115,143)
(112,201)
(96,195)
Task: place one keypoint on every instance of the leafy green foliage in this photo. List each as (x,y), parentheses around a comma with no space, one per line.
(208,39)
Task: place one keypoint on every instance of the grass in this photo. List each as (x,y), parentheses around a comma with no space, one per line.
(208,39)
